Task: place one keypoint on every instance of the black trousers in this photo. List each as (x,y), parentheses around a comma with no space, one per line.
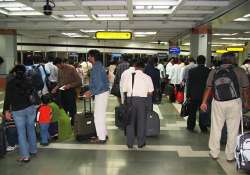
(138,121)
(203,116)
(68,102)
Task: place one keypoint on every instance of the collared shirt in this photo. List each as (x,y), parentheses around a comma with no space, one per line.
(161,68)
(142,85)
(53,77)
(124,77)
(168,68)
(98,79)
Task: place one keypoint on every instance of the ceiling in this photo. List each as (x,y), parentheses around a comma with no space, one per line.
(158,19)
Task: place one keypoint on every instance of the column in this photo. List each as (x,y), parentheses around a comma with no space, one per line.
(200,42)
(8,49)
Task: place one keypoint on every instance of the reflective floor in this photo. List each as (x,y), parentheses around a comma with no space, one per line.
(175,152)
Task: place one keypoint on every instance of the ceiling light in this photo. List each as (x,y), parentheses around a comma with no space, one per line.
(69,16)
(225,34)
(231,44)
(244,39)
(139,7)
(247,32)
(90,31)
(145,33)
(104,15)
(137,35)
(112,18)
(149,7)
(81,15)
(186,44)
(74,35)
(161,7)
(119,15)
(156,2)
(25,13)
(242,19)
(11,4)
(3,12)
(152,11)
(217,45)
(7,0)
(76,19)
(247,16)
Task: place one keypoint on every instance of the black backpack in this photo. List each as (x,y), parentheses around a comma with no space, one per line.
(225,83)
(35,76)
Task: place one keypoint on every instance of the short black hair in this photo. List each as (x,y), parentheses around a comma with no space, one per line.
(96,54)
(1,60)
(57,60)
(140,63)
(201,59)
(28,60)
(45,99)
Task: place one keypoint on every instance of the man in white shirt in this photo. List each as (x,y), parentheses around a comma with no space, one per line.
(169,67)
(53,76)
(138,97)
(125,76)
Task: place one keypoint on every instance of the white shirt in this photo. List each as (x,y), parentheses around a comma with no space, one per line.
(142,85)
(160,67)
(168,68)
(173,74)
(124,77)
(53,77)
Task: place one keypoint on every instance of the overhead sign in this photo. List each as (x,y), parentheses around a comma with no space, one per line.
(111,35)
(235,49)
(174,50)
(221,51)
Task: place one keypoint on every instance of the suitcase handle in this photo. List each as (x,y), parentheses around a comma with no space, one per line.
(85,99)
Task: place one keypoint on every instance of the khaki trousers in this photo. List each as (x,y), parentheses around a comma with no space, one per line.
(229,112)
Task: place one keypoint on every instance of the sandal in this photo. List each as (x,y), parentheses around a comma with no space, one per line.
(24,160)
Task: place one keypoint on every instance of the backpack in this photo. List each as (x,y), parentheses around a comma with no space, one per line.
(225,83)
(47,81)
(35,76)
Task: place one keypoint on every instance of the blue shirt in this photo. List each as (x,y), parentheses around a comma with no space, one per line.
(98,79)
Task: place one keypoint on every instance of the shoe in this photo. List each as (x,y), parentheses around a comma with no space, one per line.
(97,141)
(130,146)
(214,158)
(141,146)
(23,160)
(33,154)
(44,144)
(190,130)
(205,131)
(11,148)
(107,137)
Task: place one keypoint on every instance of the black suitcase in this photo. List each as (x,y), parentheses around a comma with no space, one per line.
(84,126)
(153,124)
(2,141)
(119,119)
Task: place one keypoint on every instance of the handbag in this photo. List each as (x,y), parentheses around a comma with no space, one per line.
(185,108)
(115,90)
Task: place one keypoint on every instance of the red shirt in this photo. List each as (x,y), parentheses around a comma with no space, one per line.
(44,114)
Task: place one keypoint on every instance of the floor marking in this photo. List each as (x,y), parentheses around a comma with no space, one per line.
(157,110)
(111,127)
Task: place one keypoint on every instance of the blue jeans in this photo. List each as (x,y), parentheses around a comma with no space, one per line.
(44,133)
(11,134)
(25,124)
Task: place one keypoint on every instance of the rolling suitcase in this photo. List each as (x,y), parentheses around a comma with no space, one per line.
(84,126)
(119,119)
(2,141)
(153,124)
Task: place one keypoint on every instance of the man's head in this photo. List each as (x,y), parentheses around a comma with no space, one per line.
(28,60)
(139,65)
(228,58)
(94,55)
(58,62)
(201,59)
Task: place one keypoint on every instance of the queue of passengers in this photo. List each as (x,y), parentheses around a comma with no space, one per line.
(141,80)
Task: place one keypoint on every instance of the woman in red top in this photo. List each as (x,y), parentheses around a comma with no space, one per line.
(44,117)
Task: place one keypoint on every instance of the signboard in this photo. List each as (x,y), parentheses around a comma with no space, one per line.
(110,35)
(174,50)
(235,49)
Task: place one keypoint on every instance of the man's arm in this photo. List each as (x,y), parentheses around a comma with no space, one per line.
(206,95)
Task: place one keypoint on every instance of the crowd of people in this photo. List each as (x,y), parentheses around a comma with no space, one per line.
(140,82)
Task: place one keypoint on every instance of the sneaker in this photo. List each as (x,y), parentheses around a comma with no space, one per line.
(11,148)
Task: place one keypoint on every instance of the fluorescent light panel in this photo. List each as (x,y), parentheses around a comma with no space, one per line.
(156,2)
(74,35)
(11,4)
(12,9)
(225,34)
(242,19)
(247,32)
(247,16)
(150,7)
(244,39)
(145,33)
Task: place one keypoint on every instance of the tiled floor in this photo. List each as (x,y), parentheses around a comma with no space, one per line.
(175,152)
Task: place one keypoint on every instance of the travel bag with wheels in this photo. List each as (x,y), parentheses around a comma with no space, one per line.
(242,151)
(84,126)
(153,124)
(2,141)
(119,116)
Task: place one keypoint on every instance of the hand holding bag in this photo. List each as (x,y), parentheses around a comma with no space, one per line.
(185,108)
